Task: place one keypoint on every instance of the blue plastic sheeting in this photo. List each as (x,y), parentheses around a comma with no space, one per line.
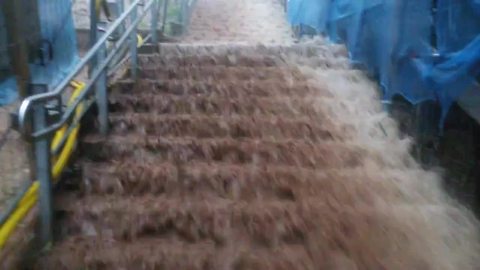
(57,33)
(394,41)
(454,74)
(312,13)
(458,23)
(8,91)
(458,39)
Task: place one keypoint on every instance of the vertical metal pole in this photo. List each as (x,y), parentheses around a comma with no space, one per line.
(43,169)
(101,84)
(154,22)
(184,15)
(121,5)
(101,93)
(164,19)
(191,4)
(189,12)
(119,9)
(133,45)
(93,34)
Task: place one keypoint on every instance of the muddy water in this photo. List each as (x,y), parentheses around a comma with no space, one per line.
(248,21)
(254,157)
(263,163)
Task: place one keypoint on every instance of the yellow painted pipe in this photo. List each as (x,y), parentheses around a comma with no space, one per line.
(140,41)
(31,196)
(98,7)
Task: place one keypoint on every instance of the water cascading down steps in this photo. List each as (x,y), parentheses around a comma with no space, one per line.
(221,157)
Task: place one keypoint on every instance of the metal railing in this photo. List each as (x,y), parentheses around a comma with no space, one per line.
(97,51)
(33,122)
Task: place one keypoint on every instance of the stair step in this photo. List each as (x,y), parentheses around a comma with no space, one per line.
(299,50)
(220,106)
(171,254)
(230,89)
(238,151)
(245,183)
(193,220)
(231,60)
(256,60)
(220,73)
(314,224)
(207,126)
(147,254)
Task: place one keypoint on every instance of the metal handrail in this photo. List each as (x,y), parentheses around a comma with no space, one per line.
(34,108)
(28,104)
(88,88)
(66,128)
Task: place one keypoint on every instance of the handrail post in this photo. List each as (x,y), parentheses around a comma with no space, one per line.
(93,34)
(43,169)
(121,5)
(154,21)
(101,83)
(164,18)
(101,94)
(191,3)
(133,45)
(184,13)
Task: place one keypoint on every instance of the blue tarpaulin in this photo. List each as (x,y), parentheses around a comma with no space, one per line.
(414,48)
(58,36)
(8,92)
(458,31)
(312,13)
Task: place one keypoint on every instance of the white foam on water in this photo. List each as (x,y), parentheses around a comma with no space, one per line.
(444,234)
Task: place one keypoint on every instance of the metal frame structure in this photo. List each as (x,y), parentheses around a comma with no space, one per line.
(32,120)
